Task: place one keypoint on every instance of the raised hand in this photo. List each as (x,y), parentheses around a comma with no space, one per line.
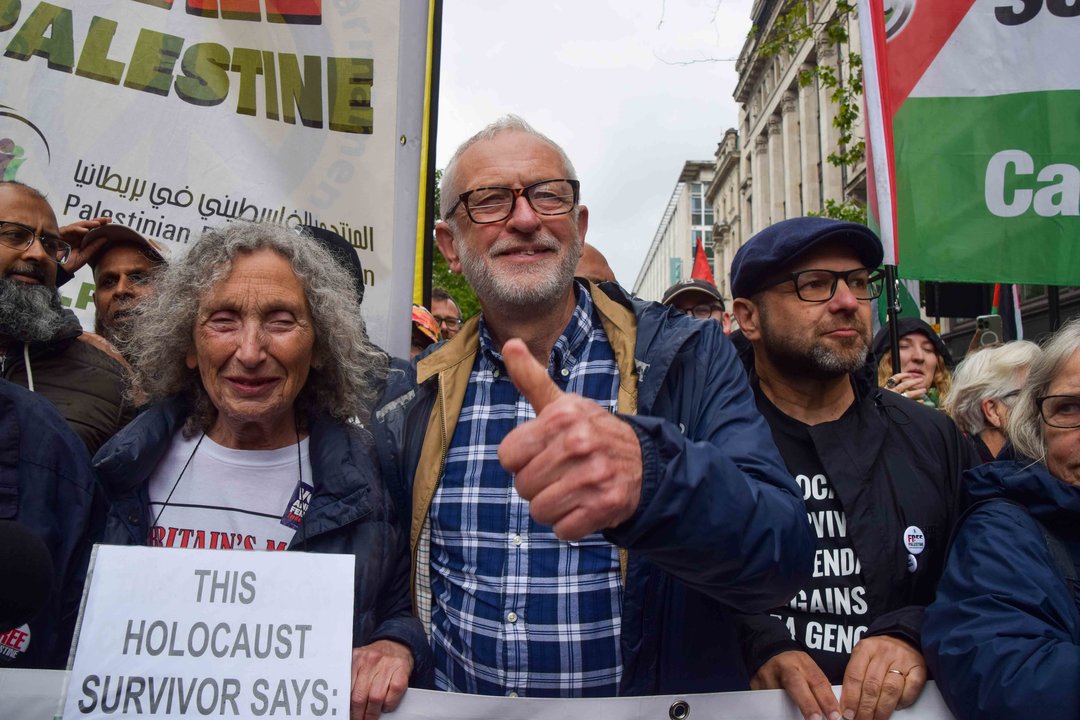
(578,465)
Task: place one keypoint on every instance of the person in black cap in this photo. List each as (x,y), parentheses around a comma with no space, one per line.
(925,362)
(880,474)
(700,299)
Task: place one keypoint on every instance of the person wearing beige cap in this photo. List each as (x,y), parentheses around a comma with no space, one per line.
(124,266)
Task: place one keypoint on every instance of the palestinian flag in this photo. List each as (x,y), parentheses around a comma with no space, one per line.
(973,115)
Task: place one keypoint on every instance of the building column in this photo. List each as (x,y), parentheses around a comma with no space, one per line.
(832,178)
(792,159)
(761,181)
(776,170)
(810,142)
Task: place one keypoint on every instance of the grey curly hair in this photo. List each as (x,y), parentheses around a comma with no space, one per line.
(1026,428)
(351,370)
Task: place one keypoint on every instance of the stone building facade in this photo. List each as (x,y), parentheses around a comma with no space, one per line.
(775,164)
(689,216)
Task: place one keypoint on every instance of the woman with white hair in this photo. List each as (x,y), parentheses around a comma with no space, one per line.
(1003,636)
(984,389)
(258,373)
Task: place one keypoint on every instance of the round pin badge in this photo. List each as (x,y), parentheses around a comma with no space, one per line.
(912,563)
(14,643)
(914,540)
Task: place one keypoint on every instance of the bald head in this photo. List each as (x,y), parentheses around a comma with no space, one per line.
(594,266)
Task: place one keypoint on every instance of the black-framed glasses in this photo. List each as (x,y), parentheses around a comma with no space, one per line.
(1060,411)
(820,285)
(19,237)
(451,323)
(703,311)
(492,204)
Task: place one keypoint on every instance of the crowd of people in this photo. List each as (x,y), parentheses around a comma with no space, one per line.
(574,493)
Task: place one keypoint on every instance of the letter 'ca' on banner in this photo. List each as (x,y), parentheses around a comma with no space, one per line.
(974,154)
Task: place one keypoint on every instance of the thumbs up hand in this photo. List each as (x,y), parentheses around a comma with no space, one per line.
(578,465)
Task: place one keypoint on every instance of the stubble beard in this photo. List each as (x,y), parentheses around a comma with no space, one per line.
(29,313)
(815,357)
(521,289)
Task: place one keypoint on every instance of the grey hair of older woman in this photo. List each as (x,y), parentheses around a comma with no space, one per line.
(1026,429)
(350,369)
(989,374)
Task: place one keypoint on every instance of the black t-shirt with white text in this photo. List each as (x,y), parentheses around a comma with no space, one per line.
(829,614)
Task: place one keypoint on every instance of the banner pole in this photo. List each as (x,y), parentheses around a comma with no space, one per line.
(1053,306)
(892,310)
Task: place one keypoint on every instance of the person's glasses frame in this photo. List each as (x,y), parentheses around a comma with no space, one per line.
(508,202)
(451,323)
(704,311)
(1052,415)
(17,236)
(810,284)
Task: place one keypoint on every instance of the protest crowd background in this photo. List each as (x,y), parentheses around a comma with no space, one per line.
(767,465)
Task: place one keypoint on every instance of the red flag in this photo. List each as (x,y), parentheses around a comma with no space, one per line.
(702,270)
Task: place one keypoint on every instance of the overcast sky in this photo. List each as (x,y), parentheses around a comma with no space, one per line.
(609,80)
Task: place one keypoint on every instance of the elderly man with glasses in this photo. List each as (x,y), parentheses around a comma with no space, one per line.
(589,484)
(42,346)
(880,474)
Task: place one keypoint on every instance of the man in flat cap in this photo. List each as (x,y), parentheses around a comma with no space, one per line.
(880,474)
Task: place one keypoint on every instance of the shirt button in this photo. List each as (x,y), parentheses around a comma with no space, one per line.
(564,372)
(495,373)
(516,539)
(511,617)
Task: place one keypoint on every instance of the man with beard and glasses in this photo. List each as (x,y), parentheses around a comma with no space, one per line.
(880,474)
(589,484)
(42,346)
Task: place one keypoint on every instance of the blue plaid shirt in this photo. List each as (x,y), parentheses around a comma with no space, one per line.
(516,610)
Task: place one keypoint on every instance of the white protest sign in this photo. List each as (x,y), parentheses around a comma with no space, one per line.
(168,633)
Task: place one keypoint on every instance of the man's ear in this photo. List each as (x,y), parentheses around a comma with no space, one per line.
(748,316)
(582,224)
(444,238)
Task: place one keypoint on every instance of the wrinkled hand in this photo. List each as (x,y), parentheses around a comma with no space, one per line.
(908,385)
(797,674)
(380,673)
(73,235)
(578,465)
(883,674)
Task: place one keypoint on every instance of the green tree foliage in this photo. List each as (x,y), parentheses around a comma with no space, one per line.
(451,282)
(843,82)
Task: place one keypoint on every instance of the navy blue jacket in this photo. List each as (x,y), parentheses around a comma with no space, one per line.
(1003,636)
(46,485)
(721,524)
(349,513)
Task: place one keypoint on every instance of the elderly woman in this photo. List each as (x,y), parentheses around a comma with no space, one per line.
(924,362)
(254,362)
(1003,636)
(984,388)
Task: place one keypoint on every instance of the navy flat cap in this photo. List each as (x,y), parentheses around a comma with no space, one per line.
(780,244)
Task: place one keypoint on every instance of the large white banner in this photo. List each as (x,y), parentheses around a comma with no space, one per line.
(34,694)
(192,633)
(174,115)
